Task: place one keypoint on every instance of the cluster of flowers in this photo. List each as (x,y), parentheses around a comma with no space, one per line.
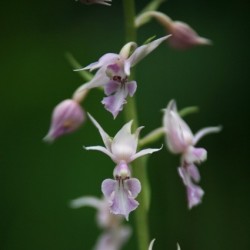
(112,74)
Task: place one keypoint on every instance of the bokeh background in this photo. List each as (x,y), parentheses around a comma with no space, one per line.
(39,180)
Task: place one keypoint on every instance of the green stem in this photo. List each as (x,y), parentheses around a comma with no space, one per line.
(152,137)
(139,166)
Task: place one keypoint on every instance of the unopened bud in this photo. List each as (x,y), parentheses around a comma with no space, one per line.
(67,116)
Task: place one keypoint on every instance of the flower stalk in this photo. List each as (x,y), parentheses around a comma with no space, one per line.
(139,166)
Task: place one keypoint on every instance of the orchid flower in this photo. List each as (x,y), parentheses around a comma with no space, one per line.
(115,234)
(113,72)
(180,140)
(122,191)
(67,116)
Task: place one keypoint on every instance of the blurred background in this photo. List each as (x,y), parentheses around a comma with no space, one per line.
(38,180)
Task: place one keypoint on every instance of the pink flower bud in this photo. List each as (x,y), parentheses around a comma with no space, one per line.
(67,116)
(184,37)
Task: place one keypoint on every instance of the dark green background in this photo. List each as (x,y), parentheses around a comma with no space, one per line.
(38,180)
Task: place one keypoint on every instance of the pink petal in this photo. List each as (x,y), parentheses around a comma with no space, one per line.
(134,186)
(114,103)
(195,155)
(111,87)
(193,172)
(131,86)
(119,195)
(108,187)
(194,195)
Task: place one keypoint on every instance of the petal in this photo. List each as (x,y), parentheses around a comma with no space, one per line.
(178,246)
(193,154)
(193,172)
(102,149)
(105,137)
(114,103)
(105,60)
(144,152)
(134,186)
(151,244)
(131,86)
(100,79)
(111,87)
(127,66)
(184,176)
(201,133)
(144,50)
(120,197)
(179,136)
(194,192)
(108,187)
(113,239)
(194,195)
(124,143)
(90,201)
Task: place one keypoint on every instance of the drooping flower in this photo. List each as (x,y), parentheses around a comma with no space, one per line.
(67,116)
(115,235)
(122,191)
(180,140)
(183,36)
(113,72)
(103,2)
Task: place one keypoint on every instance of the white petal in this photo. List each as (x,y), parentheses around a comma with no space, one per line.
(100,79)
(105,60)
(144,50)
(204,132)
(178,246)
(145,152)
(179,135)
(90,201)
(124,143)
(151,244)
(102,149)
(105,137)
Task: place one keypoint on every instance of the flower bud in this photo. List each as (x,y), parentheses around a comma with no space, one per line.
(67,116)
(184,37)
